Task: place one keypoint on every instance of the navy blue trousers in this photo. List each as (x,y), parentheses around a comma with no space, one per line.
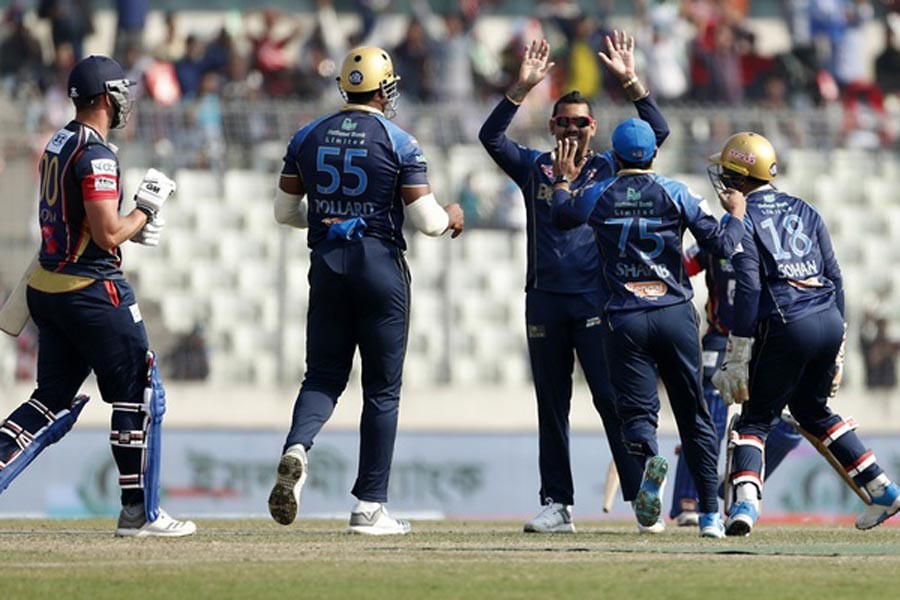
(792,365)
(782,439)
(664,342)
(359,296)
(95,328)
(559,327)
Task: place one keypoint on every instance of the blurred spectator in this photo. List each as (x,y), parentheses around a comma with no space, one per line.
(70,22)
(209,120)
(413,61)
(189,358)
(851,63)
(663,47)
(756,69)
(880,357)
(21,59)
(172,47)
(887,65)
(132,15)
(190,69)
(136,64)
(584,72)
(269,55)
(317,72)
(453,78)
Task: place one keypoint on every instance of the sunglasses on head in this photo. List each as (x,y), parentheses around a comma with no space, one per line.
(580,121)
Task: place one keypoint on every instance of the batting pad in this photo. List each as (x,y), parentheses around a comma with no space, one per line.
(155,401)
(31,444)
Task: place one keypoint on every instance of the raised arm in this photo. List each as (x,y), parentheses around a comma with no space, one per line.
(515,160)
(619,59)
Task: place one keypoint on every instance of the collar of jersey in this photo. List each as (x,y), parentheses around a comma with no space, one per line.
(633,171)
(362,107)
(766,188)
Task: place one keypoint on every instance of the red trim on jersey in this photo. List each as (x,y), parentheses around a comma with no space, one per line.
(109,187)
(112,292)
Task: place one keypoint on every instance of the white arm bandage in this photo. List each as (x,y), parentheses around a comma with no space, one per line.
(427,216)
(290,209)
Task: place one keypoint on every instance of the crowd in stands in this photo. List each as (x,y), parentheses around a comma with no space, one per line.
(702,51)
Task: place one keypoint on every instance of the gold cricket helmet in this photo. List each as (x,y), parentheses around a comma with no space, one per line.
(367,69)
(748,154)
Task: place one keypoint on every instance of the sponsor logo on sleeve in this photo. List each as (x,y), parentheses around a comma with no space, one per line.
(135,313)
(103,166)
(105,184)
(59,140)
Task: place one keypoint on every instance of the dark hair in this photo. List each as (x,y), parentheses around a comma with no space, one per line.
(85,102)
(573,97)
(361,97)
(624,164)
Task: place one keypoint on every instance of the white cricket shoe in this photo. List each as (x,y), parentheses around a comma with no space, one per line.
(687,518)
(882,508)
(377,522)
(553,518)
(163,526)
(284,500)
(658,527)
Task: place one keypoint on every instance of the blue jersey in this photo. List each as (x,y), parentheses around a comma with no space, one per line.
(558,261)
(786,267)
(720,285)
(76,167)
(353,163)
(639,218)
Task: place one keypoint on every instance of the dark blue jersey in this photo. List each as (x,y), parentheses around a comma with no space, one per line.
(720,285)
(558,261)
(785,266)
(353,163)
(76,167)
(639,218)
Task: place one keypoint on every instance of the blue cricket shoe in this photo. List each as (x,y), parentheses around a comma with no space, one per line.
(648,504)
(742,518)
(883,507)
(711,525)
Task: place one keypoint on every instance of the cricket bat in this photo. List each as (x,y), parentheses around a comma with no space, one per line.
(14,315)
(610,487)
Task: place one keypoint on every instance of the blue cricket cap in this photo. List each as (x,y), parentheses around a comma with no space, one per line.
(89,76)
(634,141)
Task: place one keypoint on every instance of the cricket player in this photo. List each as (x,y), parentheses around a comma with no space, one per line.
(561,302)
(786,346)
(351,177)
(86,313)
(720,284)
(651,328)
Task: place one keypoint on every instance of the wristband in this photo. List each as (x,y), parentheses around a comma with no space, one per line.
(145,210)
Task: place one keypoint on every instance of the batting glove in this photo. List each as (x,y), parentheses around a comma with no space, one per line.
(149,235)
(154,190)
(838,367)
(731,379)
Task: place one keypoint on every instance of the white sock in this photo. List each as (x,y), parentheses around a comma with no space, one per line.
(365,506)
(877,486)
(748,492)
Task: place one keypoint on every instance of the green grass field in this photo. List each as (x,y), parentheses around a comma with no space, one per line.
(454,559)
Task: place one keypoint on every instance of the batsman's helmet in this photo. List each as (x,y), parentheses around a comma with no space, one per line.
(745,154)
(96,75)
(367,69)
